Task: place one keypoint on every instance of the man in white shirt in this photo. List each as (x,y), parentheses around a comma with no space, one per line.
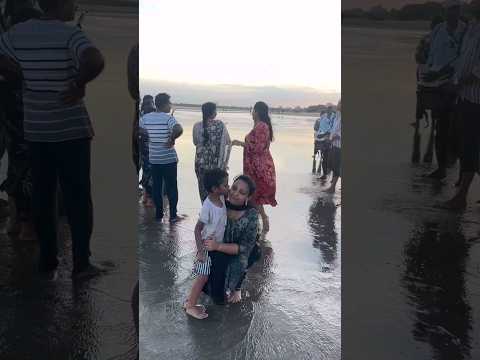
(162,129)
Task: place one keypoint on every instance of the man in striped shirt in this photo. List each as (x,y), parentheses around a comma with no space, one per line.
(161,129)
(467,81)
(56,61)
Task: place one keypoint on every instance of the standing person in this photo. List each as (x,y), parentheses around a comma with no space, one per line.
(162,129)
(467,80)
(212,142)
(56,124)
(322,139)
(147,107)
(336,139)
(258,162)
(19,180)
(445,42)
(133,89)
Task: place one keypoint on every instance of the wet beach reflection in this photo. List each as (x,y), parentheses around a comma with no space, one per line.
(291,296)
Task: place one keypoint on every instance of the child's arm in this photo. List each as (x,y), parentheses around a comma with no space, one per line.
(199,241)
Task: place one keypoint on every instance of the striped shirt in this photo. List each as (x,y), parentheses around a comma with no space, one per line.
(158,127)
(469,64)
(48,52)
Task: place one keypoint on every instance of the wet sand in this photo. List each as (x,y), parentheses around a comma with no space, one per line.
(292,306)
(94,320)
(411,270)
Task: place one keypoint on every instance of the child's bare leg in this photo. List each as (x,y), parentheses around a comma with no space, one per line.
(190,305)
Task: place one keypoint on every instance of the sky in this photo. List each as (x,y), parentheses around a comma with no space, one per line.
(265,44)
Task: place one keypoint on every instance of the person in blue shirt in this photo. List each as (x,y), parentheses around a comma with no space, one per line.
(323,127)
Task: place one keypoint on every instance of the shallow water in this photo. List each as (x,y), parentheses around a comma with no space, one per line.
(411,269)
(291,306)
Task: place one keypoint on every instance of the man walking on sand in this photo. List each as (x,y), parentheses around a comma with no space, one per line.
(56,61)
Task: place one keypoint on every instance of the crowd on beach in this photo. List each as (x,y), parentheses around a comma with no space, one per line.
(448,86)
(45,65)
(228,227)
(46,130)
(328,144)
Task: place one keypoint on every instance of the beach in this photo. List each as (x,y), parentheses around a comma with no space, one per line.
(411,287)
(91,320)
(291,306)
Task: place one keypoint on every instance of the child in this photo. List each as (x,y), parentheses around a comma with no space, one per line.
(211,224)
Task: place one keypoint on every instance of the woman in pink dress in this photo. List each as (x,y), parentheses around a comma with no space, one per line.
(258,162)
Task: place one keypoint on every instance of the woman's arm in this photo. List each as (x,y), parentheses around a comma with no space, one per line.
(238,143)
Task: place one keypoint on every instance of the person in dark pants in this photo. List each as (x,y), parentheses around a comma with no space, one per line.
(57,126)
(443,52)
(162,129)
(467,82)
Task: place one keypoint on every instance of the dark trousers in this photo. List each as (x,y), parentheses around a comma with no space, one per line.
(470,158)
(67,163)
(442,114)
(167,173)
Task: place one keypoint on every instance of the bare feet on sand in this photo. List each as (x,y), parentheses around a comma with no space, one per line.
(195,311)
(235,297)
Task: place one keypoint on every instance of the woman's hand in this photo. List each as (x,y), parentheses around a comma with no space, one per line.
(211,245)
(237,143)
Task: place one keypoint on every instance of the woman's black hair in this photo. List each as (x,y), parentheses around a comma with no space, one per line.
(262,110)
(208,109)
(252,187)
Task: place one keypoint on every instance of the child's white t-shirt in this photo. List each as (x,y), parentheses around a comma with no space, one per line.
(214,219)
